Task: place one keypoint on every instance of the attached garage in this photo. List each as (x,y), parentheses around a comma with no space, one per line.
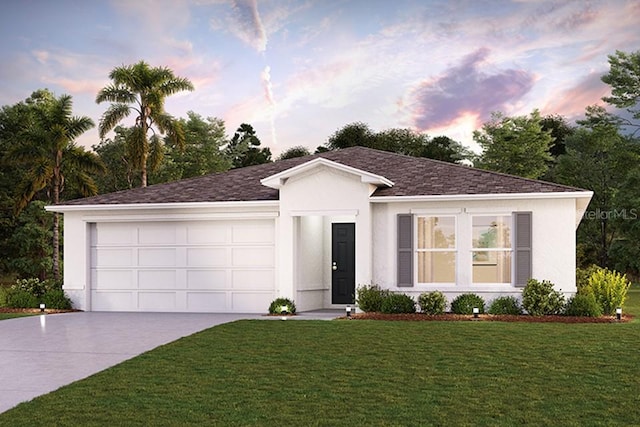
(183,266)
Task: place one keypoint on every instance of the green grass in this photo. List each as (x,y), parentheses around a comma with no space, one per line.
(307,373)
(4,316)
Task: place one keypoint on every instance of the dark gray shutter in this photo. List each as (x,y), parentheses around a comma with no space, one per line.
(405,250)
(522,252)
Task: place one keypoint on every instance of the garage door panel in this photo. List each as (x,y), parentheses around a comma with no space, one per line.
(253,279)
(157,279)
(207,257)
(156,257)
(215,234)
(198,266)
(157,234)
(207,279)
(112,301)
(157,301)
(252,234)
(110,257)
(257,257)
(113,279)
(248,302)
(207,301)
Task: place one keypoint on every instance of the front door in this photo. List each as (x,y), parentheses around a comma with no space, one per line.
(343,266)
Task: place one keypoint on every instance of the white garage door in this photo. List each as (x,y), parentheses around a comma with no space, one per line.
(191,266)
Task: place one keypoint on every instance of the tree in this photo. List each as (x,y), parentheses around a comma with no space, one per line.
(121,174)
(559,130)
(142,89)
(600,159)
(397,140)
(244,148)
(297,151)
(47,148)
(201,153)
(514,145)
(624,79)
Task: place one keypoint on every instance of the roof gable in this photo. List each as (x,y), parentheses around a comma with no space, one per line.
(277,180)
(397,176)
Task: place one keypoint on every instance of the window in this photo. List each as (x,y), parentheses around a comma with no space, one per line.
(436,249)
(491,249)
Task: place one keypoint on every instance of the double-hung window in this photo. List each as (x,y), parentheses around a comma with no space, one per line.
(436,249)
(491,248)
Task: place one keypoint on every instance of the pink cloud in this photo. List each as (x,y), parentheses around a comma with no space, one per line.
(572,102)
(466,89)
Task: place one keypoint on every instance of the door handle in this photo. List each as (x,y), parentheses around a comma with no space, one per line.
(334,266)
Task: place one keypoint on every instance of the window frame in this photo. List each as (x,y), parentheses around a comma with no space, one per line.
(509,250)
(454,249)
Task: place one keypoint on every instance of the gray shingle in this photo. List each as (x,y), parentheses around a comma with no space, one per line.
(412,176)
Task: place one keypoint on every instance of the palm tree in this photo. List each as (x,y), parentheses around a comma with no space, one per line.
(47,147)
(142,89)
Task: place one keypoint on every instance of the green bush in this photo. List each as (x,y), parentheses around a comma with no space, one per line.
(397,304)
(432,302)
(276,306)
(34,286)
(540,298)
(464,304)
(505,305)
(56,298)
(18,298)
(369,298)
(583,304)
(4,293)
(609,289)
(583,274)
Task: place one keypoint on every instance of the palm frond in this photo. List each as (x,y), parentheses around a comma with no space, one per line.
(114,114)
(137,147)
(156,153)
(119,94)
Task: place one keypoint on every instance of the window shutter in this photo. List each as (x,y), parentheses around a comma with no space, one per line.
(522,253)
(405,250)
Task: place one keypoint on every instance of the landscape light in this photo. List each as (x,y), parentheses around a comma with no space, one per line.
(348,312)
(476,311)
(284,309)
(42,307)
(619,313)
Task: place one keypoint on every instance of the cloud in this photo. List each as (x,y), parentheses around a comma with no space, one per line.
(573,101)
(466,89)
(248,24)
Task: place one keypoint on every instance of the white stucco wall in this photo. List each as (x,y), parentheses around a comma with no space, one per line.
(553,243)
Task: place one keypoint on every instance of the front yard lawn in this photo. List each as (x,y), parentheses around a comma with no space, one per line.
(353,373)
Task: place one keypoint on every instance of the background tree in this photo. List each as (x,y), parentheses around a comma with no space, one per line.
(296,151)
(142,89)
(624,79)
(121,175)
(48,150)
(244,148)
(598,158)
(397,140)
(201,153)
(515,145)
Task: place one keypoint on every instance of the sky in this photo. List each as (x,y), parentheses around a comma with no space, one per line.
(299,70)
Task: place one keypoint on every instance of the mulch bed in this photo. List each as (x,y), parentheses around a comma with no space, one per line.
(488,318)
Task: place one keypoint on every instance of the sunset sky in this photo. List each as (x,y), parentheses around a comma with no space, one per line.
(299,70)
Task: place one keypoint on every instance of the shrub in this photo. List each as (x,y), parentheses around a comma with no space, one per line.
(278,303)
(583,304)
(398,303)
(609,289)
(505,305)
(540,298)
(370,298)
(18,298)
(4,293)
(464,304)
(34,286)
(583,274)
(56,298)
(432,302)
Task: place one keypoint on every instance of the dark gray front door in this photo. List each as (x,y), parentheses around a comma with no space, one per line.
(343,249)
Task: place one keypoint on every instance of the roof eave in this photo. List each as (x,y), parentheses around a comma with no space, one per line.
(161,206)
(486,196)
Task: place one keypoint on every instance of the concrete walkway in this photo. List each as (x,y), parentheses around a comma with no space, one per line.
(39,354)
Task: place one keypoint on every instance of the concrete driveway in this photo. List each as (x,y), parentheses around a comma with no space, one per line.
(39,354)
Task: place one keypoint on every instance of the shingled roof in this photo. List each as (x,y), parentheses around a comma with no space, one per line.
(412,176)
